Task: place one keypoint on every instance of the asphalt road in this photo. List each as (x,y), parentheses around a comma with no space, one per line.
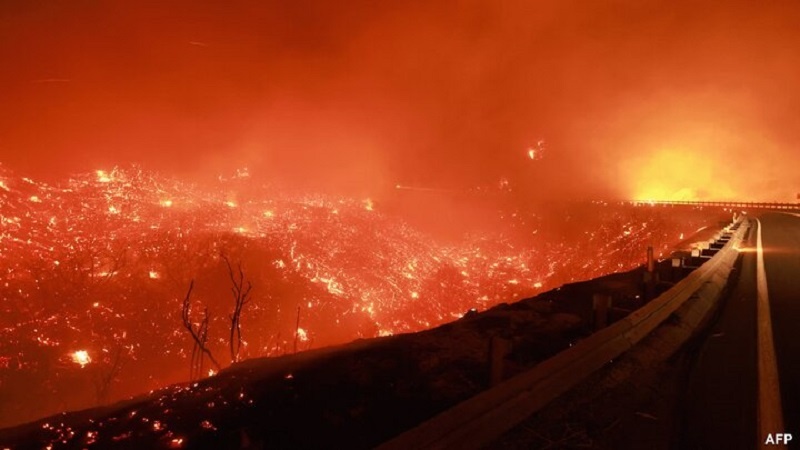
(722,390)
(781,242)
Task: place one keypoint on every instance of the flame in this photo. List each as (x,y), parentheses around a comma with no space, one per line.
(103,176)
(302,335)
(359,274)
(678,175)
(81,357)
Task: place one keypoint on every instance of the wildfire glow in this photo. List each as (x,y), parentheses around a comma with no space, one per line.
(81,357)
(302,334)
(677,175)
(358,270)
(103,177)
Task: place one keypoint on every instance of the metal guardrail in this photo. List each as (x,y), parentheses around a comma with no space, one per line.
(484,417)
(721,204)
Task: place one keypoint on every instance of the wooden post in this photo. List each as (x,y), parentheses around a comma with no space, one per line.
(650,279)
(601,303)
(499,348)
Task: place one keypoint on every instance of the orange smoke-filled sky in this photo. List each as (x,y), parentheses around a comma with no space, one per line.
(634,99)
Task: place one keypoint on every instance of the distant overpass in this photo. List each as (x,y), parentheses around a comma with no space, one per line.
(728,204)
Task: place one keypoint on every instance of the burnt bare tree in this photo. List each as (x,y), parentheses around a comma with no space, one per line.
(241,297)
(297,329)
(199,337)
(105,378)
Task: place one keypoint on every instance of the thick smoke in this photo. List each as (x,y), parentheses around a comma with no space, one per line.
(633,98)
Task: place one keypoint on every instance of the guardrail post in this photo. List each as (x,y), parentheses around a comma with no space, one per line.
(649,277)
(677,269)
(499,348)
(601,303)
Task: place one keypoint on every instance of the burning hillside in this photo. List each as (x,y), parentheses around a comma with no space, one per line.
(95,270)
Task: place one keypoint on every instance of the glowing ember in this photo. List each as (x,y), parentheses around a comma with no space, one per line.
(81,357)
(77,259)
(536,152)
(103,177)
(302,334)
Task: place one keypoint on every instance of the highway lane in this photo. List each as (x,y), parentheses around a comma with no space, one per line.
(724,388)
(781,241)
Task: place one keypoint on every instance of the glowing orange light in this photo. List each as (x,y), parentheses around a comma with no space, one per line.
(81,357)
(102,176)
(302,335)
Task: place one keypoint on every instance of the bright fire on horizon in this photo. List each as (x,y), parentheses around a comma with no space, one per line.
(675,174)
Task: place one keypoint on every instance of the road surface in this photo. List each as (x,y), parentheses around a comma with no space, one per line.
(731,402)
